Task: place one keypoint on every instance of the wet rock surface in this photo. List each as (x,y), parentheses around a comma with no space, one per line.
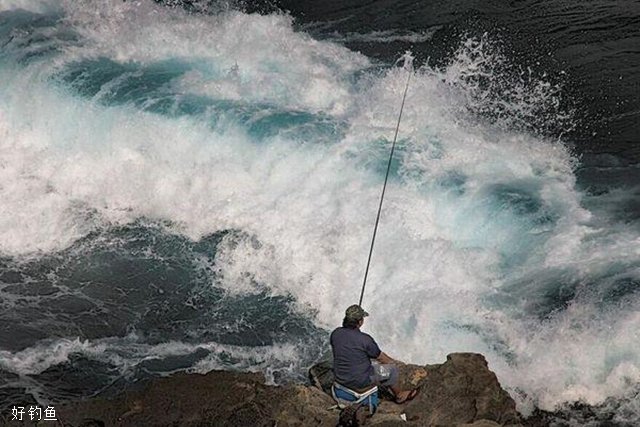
(460,392)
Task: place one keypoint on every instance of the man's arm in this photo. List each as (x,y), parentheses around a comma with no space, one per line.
(385,359)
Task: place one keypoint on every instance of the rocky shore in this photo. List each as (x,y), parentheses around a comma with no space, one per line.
(462,391)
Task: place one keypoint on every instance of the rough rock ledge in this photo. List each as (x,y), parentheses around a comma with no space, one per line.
(460,392)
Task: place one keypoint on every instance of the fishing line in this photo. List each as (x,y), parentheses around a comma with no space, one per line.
(408,59)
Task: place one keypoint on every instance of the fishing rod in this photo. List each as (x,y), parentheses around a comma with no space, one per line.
(409,67)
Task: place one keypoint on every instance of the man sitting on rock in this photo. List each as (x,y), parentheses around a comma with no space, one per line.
(352,354)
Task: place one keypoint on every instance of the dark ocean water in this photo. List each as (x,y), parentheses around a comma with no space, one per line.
(191,186)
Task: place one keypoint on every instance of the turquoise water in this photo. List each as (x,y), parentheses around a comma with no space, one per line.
(190,192)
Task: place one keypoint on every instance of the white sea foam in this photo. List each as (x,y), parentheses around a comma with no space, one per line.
(437,282)
(36,6)
(386,36)
(35,360)
(127,352)
(258,48)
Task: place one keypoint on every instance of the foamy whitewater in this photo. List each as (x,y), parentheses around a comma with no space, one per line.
(148,155)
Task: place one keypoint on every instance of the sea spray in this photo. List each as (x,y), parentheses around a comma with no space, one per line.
(188,191)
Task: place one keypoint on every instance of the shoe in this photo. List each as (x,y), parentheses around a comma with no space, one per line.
(412,394)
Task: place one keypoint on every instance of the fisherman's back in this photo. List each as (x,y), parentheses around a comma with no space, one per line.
(352,351)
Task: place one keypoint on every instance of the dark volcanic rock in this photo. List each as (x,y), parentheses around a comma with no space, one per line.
(217,398)
(460,392)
